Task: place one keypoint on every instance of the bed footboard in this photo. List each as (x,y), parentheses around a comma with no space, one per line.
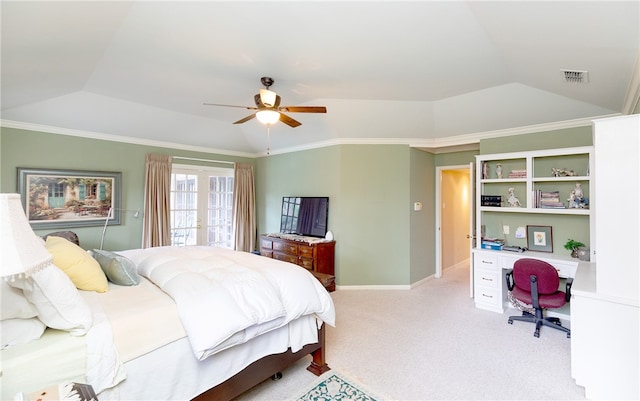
(266,367)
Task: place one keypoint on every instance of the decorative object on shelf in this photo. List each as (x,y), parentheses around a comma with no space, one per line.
(499,170)
(578,191)
(539,238)
(511,199)
(561,172)
(329,236)
(573,246)
(584,254)
(485,170)
(576,198)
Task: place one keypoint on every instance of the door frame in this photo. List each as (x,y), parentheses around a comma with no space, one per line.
(438,203)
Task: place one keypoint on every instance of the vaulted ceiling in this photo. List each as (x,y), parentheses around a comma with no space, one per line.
(426,73)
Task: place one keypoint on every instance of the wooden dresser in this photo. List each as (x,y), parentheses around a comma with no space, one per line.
(318,257)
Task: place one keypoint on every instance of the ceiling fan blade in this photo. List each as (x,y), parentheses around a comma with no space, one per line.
(303,109)
(289,121)
(247,118)
(230,105)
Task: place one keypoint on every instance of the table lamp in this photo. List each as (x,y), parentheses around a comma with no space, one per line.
(22,252)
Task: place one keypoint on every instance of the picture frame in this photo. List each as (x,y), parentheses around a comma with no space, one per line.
(540,238)
(55,198)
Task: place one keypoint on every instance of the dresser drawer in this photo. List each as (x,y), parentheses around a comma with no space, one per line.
(266,252)
(305,251)
(307,263)
(266,244)
(285,247)
(285,257)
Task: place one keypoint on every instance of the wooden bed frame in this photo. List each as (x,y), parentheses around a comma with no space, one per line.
(264,368)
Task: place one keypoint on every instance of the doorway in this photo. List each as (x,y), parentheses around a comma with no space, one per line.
(454,219)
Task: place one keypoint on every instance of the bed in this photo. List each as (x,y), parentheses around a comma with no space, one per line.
(163,338)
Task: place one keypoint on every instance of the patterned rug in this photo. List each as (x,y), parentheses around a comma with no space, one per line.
(332,386)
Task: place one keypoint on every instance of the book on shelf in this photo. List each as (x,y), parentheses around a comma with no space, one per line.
(518,174)
(547,200)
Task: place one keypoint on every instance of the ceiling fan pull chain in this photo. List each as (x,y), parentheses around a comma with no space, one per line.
(268,140)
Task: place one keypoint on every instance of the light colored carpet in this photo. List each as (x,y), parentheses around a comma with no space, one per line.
(431,343)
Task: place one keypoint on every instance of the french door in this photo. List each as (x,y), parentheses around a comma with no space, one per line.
(201,206)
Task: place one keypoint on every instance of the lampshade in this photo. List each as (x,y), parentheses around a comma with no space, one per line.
(23,252)
(267,97)
(268,117)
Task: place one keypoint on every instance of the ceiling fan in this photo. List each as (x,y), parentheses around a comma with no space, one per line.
(268,109)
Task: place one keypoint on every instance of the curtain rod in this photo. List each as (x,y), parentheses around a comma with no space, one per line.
(195,159)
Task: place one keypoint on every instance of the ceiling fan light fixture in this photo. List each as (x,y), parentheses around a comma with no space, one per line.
(268,117)
(267,97)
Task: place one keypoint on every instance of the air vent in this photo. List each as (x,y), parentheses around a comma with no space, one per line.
(575,77)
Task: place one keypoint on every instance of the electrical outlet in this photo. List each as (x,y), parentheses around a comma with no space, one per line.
(505,230)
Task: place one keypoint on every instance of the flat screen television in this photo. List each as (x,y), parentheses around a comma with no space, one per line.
(305,215)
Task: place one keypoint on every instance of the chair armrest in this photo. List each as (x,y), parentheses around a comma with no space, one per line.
(568,289)
(509,277)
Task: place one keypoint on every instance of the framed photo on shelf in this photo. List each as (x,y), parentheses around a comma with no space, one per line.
(540,238)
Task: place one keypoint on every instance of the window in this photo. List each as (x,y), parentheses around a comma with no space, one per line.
(201,206)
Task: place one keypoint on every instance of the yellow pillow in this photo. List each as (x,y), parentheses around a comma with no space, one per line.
(83,270)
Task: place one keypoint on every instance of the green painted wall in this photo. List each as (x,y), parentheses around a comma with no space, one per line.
(368,187)
(422,223)
(21,148)
(456,158)
(555,139)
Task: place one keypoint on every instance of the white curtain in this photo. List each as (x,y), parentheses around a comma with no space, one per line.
(244,208)
(156,224)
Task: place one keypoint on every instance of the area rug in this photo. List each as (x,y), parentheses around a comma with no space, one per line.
(332,386)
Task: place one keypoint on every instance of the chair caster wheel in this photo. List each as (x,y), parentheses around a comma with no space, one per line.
(510,321)
(536,334)
(276,376)
(568,335)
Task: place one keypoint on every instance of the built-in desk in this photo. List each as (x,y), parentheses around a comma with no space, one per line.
(489,283)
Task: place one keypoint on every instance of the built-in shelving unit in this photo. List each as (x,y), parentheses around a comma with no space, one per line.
(532,175)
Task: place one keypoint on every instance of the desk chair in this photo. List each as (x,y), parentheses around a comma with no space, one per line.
(535,283)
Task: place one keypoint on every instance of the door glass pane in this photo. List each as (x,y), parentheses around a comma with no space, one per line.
(184,209)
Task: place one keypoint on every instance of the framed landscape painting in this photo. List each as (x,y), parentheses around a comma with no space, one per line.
(69,198)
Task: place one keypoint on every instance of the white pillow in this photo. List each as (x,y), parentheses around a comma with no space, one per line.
(14,304)
(20,331)
(59,304)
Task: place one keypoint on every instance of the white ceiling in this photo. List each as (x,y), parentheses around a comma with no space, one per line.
(427,73)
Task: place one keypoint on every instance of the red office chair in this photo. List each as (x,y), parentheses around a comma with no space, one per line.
(535,282)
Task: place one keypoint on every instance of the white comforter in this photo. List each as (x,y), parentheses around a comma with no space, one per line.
(226,297)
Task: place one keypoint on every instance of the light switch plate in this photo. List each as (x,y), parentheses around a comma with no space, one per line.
(505,230)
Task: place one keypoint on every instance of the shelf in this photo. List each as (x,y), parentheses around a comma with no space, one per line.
(502,180)
(540,210)
(561,179)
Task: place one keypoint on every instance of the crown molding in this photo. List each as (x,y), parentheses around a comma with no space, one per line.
(117,138)
(434,144)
